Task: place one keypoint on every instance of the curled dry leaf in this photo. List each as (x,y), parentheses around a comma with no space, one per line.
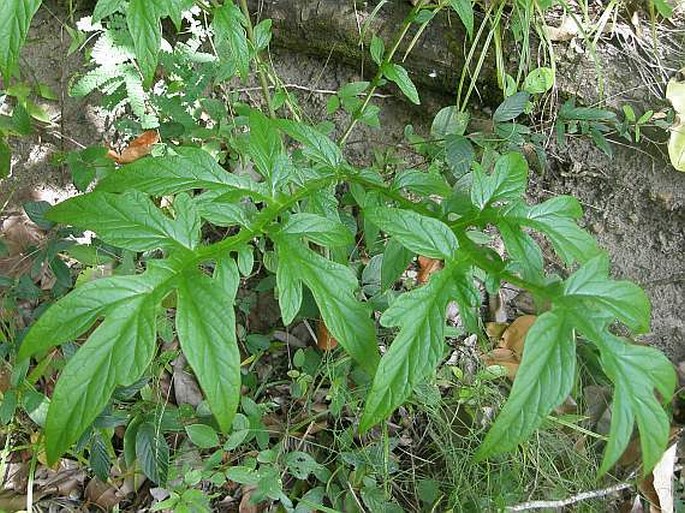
(186,388)
(662,481)
(246,505)
(103,495)
(675,93)
(505,358)
(427,266)
(514,336)
(494,330)
(138,148)
(564,32)
(510,348)
(324,340)
(19,234)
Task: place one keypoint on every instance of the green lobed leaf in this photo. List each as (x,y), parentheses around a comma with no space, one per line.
(188,220)
(230,38)
(334,287)
(464,9)
(396,258)
(449,120)
(590,289)
(205,323)
(77,311)
(15,19)
(223,209)
(636,371)
(319,229)
(423,235)
(300,464)
(265,144)
(202,435)
(420,343)
(377,49)
(105,8)
(511,108)
(555,218)
(289,290)
(5,158)
(317,146)
(129,220)
(399,75)
(507,182)
(152,452)
(524,253)
(191,168)
(142,18)
(423,183)
(459,154)
(116,354)
(543,381)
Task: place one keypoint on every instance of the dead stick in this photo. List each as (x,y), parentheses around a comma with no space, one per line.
(525,506)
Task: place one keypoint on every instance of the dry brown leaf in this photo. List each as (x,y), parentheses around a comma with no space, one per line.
(427,266)
(186,388)
(565,32)
(494,330)
(138,148)
(246,505)
(324,340)
(632,456)
(504,357)
(515,335)
(103,495)
(19,234)
(662,479)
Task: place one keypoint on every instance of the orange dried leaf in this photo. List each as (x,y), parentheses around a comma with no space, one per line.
(427,266)
(505,358)
(324,340)
(514,336)
(138,148)
(494,330)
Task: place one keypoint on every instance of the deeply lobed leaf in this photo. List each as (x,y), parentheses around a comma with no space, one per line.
(333,286)
(205,323)
(129,220)
(419,345)
(145,27)
(637,372)
(423,235)
(15,19)
(116,354)
(543,381)
(189,168)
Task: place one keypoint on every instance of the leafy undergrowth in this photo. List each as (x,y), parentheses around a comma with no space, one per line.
(234,316)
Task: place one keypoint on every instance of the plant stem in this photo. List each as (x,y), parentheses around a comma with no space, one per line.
(379,74)
(260,70)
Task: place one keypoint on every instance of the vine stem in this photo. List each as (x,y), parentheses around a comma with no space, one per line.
(379,74)
(260,71)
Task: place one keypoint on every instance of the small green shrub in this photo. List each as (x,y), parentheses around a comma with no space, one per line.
(304,214)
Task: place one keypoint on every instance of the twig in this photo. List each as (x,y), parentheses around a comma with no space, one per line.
(304,88)
(583,496)
(260,71)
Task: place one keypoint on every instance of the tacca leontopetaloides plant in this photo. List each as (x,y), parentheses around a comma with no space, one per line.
(294,206)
